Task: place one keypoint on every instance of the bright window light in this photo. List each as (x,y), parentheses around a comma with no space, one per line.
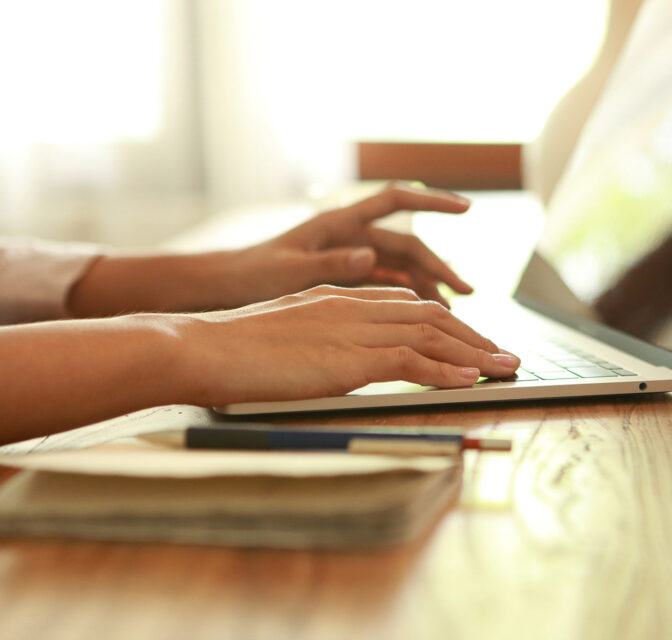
(80,71)
(469,70)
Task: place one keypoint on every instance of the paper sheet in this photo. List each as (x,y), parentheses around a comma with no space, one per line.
(136,457)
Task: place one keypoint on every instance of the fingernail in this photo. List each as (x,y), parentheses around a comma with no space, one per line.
(361,260)
(462,199)
(506,360)
(468,373)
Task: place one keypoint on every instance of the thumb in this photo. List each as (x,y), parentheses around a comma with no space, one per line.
(343,266)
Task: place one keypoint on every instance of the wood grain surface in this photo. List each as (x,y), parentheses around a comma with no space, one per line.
(569,537)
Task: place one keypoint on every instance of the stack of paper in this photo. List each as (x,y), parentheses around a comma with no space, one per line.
(135,490)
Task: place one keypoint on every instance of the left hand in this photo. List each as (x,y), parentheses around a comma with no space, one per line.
(339,247)
(343,247)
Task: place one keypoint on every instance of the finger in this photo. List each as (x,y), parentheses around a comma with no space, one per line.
(409,312)
(427,289)
(391,277)
(431,342)
(412,249)
(342,266)
(399,197)
(403,363)
(423,286)
(384,294)
(339,301)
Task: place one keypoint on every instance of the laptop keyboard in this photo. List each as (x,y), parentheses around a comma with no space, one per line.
(555,361)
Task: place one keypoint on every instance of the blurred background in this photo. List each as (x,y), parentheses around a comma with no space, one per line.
(128,121)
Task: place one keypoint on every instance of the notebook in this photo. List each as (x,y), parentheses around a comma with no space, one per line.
(135,491)
(592,312)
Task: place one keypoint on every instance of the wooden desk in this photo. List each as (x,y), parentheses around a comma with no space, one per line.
(568,538)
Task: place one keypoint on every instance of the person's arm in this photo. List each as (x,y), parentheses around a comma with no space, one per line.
(326,341)
(340,247)
(62,374)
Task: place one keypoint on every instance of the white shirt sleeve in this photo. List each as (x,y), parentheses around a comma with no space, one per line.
(36,277)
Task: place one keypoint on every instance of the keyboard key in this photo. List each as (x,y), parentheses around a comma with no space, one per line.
(556,375)
(605,364)
(537,365)
(593,372)
(560,361)
(521,376)
(553,354)
(569,363)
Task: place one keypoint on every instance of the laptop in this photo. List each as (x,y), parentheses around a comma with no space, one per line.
(591,314)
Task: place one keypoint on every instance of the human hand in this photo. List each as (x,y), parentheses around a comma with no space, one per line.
(323,342)
(328,341)
(340,247)
(343,247)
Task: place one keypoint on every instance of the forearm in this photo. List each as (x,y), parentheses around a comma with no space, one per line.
(116,284)
(58,375)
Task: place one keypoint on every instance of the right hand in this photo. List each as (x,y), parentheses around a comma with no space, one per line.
(328,341)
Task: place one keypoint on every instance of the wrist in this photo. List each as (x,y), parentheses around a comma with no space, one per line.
(182,347)
(204,354)
(157,348)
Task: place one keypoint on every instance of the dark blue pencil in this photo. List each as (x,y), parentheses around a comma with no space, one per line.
(271,438)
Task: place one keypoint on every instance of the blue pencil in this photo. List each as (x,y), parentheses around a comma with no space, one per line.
(271,438)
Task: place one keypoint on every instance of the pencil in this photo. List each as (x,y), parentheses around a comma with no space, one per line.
(408,447)
(268,437)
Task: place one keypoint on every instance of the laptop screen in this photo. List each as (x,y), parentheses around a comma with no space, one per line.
(609,228)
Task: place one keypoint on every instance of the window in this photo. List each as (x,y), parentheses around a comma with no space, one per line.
(77,71)
(472,70)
